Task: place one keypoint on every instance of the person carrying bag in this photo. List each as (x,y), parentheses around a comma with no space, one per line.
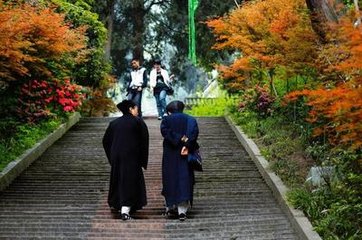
(193,156)
(180,132)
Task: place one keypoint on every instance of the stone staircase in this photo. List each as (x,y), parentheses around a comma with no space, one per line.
(63,195)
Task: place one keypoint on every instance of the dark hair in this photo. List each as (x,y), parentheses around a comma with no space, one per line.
(135,59)
(125,105)
(175,107)
(157,61)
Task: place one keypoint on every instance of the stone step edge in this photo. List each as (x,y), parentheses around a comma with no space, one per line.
(299,221)
(16,167)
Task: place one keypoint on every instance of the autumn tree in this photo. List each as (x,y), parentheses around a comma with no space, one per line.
(36,44)
(336,105)
(264,35)
(323,12)
(32,40)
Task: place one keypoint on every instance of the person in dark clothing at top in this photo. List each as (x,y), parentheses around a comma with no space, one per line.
(126,143)
(177,176)
(160,81)
(136,81)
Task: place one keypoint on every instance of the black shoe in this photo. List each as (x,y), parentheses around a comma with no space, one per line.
(125,216)
(167,214)
(182,217)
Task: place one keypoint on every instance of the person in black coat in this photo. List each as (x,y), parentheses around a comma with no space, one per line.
(126,142)
(177,176)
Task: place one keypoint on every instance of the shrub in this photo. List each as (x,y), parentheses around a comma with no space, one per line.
(259,100)
(216,107)
(41,99)
(24,137)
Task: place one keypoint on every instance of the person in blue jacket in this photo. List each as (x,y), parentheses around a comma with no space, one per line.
(177,176)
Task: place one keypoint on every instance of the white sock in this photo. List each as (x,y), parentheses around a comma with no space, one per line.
(182,207)
(125,209)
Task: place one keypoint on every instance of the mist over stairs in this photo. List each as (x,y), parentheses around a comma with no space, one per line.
(63,195)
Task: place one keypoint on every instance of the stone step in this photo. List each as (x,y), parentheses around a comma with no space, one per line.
(63,195)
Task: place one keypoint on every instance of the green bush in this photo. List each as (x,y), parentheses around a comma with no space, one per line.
(96,68)
(279,143)
(336,213)
(214,107)
(25,137)
(334,209)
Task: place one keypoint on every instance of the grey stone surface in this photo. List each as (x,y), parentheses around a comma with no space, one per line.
(301,223)
(63,194)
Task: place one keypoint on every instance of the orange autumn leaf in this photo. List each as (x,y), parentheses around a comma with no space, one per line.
(267,33)
(32,36)
(340,112)
(339,106)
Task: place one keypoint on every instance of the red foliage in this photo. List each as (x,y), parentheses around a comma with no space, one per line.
(41,99)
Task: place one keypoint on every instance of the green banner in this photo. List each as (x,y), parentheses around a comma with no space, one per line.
(192,41)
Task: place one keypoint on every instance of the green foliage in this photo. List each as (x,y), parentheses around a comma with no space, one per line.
(248,120)
(167,30)
(334,209)
(212,107)
(204,39)
(22,137)
(335,212)
(313,203)
(96,67)
(8,103)
(279,142)
(7,127)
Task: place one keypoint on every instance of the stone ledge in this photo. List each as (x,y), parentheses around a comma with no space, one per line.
(16,167)
(297,218)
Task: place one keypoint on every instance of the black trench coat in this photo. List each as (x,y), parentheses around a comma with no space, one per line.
(126,143)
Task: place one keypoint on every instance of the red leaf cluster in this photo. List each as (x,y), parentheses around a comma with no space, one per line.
(41,99)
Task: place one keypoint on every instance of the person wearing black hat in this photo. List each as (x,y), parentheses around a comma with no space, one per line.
(126,143)
(160,81)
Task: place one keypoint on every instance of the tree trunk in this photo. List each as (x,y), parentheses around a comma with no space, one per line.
(138,15)
(358,15)
(322,12)
(109,22)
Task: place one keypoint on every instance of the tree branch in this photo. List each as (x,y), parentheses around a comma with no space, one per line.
(237,4)
(358,22)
